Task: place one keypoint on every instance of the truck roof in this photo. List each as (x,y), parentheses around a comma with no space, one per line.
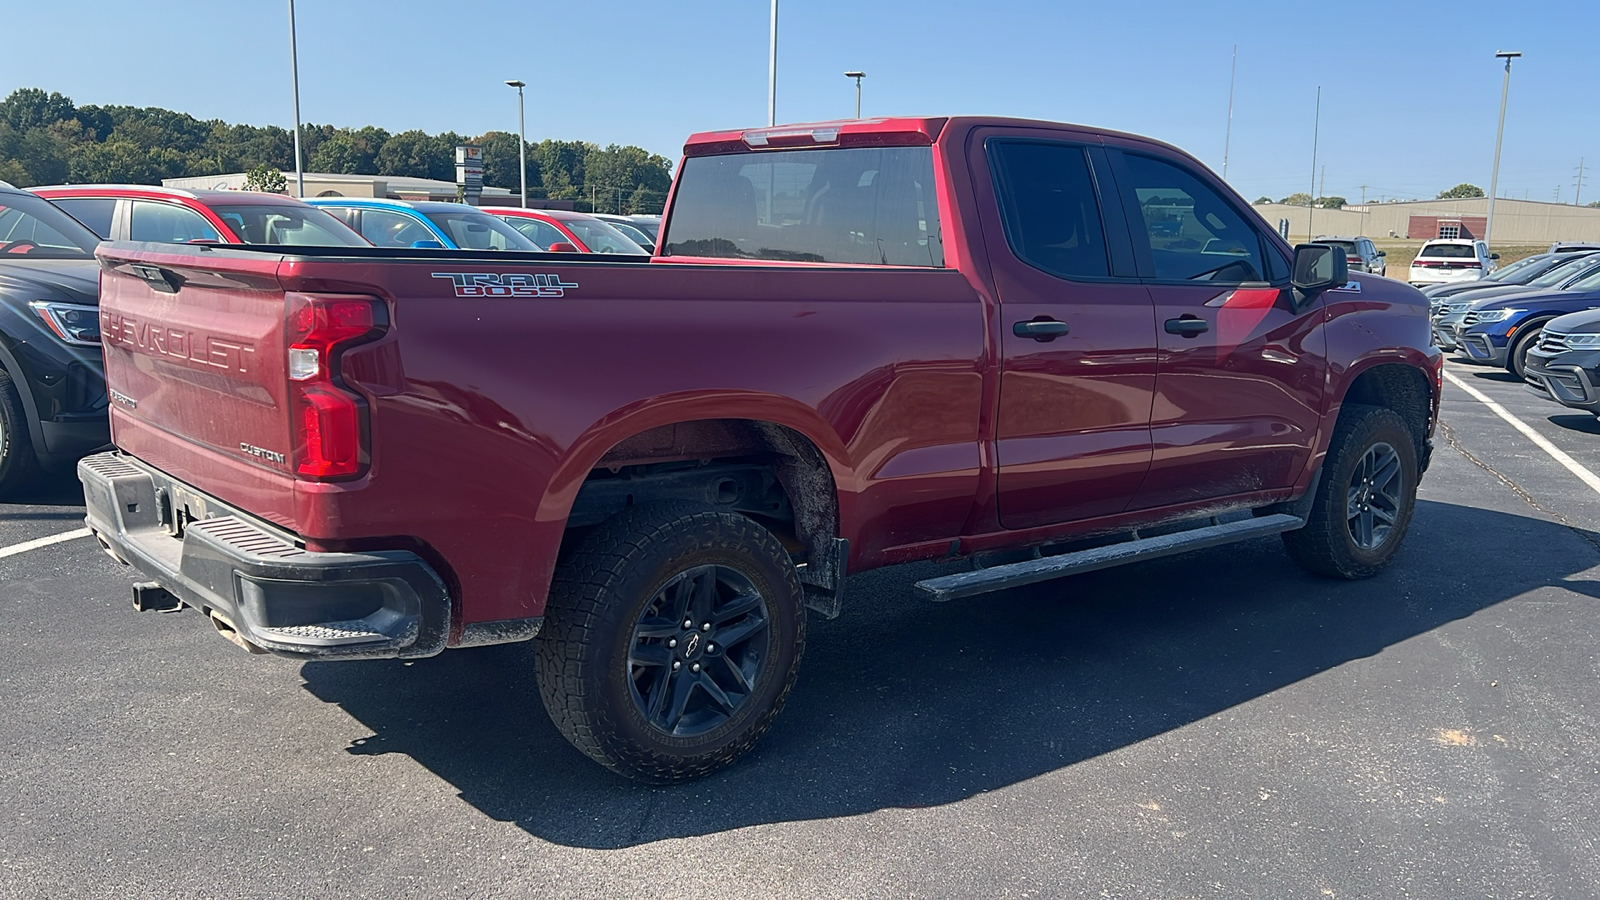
(890,131)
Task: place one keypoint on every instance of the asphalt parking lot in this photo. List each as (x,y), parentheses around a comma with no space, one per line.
(1212,725)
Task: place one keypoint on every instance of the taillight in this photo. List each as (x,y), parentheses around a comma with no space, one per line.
(1472,265)
(1353,260)
(329,420)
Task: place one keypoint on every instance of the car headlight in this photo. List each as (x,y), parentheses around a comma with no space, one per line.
(1497,315)
(1583,341)
(76,324)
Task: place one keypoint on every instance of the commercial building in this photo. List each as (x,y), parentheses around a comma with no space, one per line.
(1515,221)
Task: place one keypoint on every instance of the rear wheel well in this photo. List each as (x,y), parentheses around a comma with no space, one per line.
(1401,388)
(768,472)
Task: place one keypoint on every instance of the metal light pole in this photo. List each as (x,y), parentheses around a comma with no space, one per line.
(857,76)
(1227,138)
(522,139)
(294,74)
(772,70)
(1494,174)
(1316,133)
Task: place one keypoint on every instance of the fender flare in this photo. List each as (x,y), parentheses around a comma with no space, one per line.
(590,447)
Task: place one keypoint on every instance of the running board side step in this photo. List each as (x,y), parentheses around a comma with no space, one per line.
(1032,571)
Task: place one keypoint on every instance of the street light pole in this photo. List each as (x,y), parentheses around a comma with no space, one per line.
(772,70)
(1494,174)
(522,139)
(294,75)
(857,76)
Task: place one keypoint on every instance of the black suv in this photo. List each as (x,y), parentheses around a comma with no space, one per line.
(52,381)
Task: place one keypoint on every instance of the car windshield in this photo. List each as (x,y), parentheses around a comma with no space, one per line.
(1563,271)
(1349,247)
(288,225)
(1448,251)
(1507,273)
(632,233)
(600,237)
(653,229)
(31,227)
(480,231)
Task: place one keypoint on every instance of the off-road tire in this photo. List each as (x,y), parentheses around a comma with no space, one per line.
(19,468)
(599,594)
(1517,353)
(1325,545)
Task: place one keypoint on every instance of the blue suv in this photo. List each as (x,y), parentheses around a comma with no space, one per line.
(424,224)
(1501,331)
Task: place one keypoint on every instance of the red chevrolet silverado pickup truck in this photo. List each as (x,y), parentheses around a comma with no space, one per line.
(861,343)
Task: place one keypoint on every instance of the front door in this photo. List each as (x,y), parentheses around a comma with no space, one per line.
(1077,332)
(1239,379)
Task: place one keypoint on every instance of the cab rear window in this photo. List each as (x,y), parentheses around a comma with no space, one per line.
(870,205)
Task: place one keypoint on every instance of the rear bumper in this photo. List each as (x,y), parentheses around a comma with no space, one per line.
(251,579)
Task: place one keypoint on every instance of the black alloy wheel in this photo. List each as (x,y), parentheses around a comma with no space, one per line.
(672,636)
(1374,498)
(699,649)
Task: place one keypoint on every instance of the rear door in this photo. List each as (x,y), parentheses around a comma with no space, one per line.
(1077,329)
(1239,377)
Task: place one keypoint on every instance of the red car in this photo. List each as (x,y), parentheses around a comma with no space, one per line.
(548,227)
(143,212)
(863,343)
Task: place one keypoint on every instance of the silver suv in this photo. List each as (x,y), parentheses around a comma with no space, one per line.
(1361,253)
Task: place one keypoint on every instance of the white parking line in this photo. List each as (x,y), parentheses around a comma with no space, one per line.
(61,538)
(1556,453)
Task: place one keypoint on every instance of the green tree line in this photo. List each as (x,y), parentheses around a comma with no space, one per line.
(47,139)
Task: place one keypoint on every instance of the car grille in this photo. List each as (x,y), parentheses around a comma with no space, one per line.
(1450,308)
(1471,319)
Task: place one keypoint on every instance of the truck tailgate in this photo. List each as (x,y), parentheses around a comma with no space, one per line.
(194,342)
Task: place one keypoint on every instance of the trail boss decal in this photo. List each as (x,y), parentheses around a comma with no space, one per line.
(507,284)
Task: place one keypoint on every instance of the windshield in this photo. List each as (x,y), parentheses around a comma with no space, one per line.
(288,225)
(1349,247)
(872,205)
(1504,273)
(632,233)
(480,231)
(649,227)
(1448,251)
(600,237)
(1564,271)
(31,227)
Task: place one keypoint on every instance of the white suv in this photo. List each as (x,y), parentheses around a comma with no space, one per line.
(1447,260)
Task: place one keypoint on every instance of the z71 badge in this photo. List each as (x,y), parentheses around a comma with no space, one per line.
(507,284)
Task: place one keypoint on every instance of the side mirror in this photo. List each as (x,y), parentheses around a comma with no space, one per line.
(1318,267)
(1494,256)
(1383,253)
(562,247)
(427,245)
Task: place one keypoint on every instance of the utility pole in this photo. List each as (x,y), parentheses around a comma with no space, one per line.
(1500,132)
(1576,201)
(294,77)
(1316,129)
(1227,140)
(522,138)
(772,70)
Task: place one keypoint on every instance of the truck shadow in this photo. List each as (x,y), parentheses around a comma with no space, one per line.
(53,489)
(903,703)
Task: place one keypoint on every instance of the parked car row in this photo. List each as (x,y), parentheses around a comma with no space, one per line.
(1498,321)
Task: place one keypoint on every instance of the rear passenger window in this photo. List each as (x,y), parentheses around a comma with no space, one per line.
(1048,203)
(168,223)
(867,205)
(1193,234)
(94,212)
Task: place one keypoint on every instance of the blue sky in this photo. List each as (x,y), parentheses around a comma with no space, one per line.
(1410,90)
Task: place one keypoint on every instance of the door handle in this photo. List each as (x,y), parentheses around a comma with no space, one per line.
(1041,329)
(1187,326)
